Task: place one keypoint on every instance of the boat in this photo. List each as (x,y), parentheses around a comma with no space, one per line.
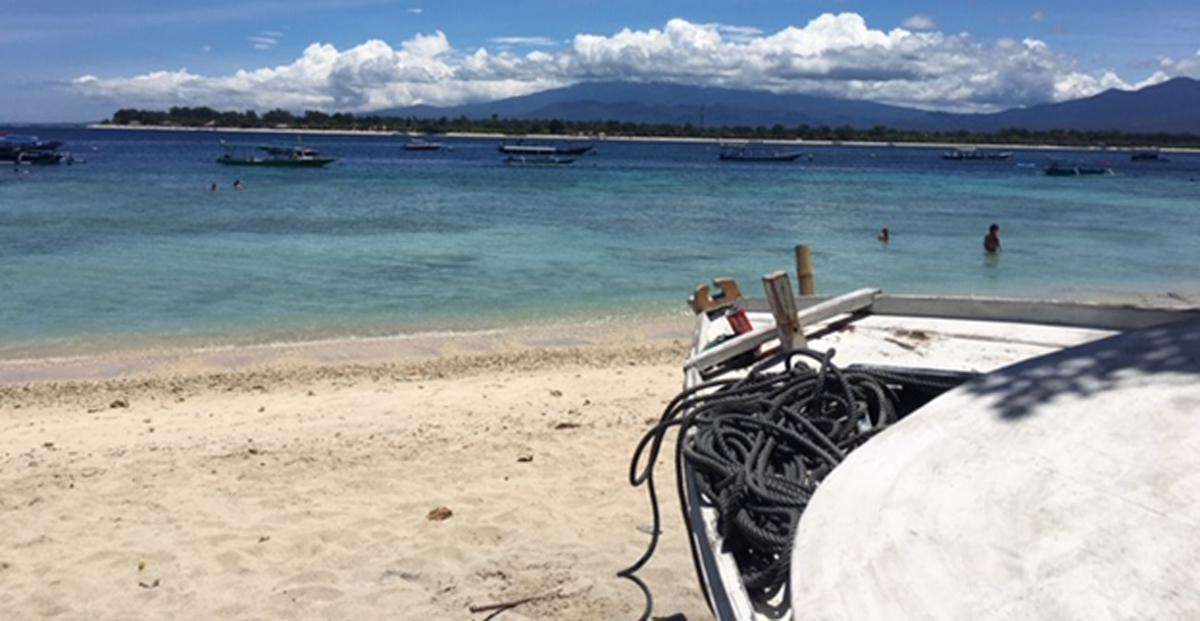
(23,149)
(520,147)
(281,156)
(875,456)
(417,144)
(1146,155)
(538,160)
(745,152)
(973,153)
(1059,168)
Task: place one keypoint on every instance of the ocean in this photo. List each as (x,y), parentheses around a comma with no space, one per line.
(130,248)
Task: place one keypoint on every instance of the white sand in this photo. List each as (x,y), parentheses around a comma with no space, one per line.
(299,483)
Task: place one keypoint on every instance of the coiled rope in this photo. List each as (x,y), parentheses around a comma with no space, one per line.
(760,445)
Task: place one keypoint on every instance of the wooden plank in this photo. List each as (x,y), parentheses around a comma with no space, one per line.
(1050,313)
(852,302)
(1097,316)
(702,300)
(783,308)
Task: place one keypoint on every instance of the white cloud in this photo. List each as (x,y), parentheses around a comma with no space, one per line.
(920,22)
(526,41)
(739,34)
(266,40)
(1189,65)
(833,55)
(415,11)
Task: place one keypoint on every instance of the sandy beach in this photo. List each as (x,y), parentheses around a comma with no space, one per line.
(436,478)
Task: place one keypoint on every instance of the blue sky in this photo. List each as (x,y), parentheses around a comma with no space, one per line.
(81,60)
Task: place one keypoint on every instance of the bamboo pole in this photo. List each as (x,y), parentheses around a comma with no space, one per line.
(804,272)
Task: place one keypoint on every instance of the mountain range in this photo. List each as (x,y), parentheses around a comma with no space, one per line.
(1171,107)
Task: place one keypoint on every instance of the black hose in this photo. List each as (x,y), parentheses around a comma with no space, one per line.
(760,446)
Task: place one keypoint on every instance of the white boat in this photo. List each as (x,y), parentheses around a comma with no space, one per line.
(418,144)
(872,456)
(520,147)
(754,152)
(538,160)
(277,156)
(974,153)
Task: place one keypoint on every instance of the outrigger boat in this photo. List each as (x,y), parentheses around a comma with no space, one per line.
(1059,168)
(1147,155)
(285,156)
(538,160)
(972,153)
(418,144)
(520,147)
(21,149)
(873,456)
(745,152)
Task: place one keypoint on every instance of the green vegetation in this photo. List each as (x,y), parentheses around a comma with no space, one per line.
(315,120)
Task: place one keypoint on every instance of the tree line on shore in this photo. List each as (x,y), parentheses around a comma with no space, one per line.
(199,117)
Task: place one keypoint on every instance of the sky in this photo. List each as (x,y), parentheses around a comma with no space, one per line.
(82,60)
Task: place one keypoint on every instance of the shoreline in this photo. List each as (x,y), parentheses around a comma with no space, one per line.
(432,348)
(605,138)
(400,349)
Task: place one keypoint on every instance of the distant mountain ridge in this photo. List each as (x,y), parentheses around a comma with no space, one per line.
(1170,107)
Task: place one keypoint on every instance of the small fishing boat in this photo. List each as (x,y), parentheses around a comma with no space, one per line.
(520,147)
(1147,155)
(870,456)
(747,152)
(1059,168)
(271,155)
(23,149)
(538,160)
(417,144)
(973,153)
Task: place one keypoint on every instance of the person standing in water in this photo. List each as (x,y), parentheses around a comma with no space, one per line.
(884,235)
(991,241)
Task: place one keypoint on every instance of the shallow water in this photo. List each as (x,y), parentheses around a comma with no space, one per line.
(131,248)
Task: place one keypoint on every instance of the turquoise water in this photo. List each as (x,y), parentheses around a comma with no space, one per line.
(132,248)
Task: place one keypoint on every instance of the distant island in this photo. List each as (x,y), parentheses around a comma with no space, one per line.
(312,120)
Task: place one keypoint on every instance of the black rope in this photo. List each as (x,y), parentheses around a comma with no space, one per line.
(760,446)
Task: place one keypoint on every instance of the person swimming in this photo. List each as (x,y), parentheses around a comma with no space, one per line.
(884,235)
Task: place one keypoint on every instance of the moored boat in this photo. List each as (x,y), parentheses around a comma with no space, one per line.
(538,160)
(746,152)
(520,147)
(282,156)
(1147,155)
(974,153)
(22,149)
(1059,168)
(418,144)
(800,418)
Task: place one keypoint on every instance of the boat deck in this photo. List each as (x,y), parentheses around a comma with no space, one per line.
(1040,470)
(1065,486)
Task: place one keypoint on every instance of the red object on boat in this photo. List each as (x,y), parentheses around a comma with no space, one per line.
(739,321)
